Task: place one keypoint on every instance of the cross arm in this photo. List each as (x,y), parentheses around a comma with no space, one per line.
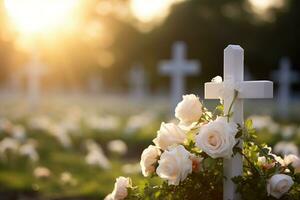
(165,67)
(181,67)
(247,90)
(192,67)
(294,76)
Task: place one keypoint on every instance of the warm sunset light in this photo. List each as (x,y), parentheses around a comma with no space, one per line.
(263,5)
(149,10)
(149,99)
(33,16)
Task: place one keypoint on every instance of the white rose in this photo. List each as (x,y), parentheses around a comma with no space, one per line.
(120,190)
(189,110)
(294,160)
(109,197)
(217,138)
(174,165)
(148,159)
(217,79)
(169,134)
(279,184)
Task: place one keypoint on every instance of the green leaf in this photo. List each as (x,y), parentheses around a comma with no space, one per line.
(220,108)
(239,134)
(209,163)
(249,124)
(264,151)
(236,150)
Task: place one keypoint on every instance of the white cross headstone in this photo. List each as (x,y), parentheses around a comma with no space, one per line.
(233,80)
(94,84)
(285,76)
(35,70)
(178,68)
(15,83)
(137,76)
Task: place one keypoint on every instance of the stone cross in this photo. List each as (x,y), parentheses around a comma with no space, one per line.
(137,78)
(35,70)
(285,77)
(233,80)
(94,84)
(15,83)
(178,68)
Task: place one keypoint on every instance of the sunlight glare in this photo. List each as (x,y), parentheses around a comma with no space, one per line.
(149,10)
(263,5)
(33,16)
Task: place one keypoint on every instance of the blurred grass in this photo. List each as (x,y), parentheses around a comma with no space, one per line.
(16,175)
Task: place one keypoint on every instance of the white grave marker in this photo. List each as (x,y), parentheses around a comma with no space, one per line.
(94,85)
(285,77)
(178,68)
(137,81)
(233,80)
(15,83)
(35,70)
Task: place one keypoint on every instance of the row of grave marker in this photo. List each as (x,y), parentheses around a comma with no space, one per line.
(177,68)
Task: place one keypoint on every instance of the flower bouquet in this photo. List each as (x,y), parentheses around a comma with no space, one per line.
(186,160)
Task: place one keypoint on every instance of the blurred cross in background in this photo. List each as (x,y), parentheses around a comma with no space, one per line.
(95,85)
(177,69)
(285,77)
(138,83)
(35,69)
(247,74)
(15,83)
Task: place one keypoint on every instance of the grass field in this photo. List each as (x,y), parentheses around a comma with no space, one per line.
(81,119)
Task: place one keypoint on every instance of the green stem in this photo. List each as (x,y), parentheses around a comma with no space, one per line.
(251,164)
(231,105)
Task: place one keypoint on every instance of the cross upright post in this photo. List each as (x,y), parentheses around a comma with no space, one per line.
(234,81)
(35,71)
(138,81)
(178,68)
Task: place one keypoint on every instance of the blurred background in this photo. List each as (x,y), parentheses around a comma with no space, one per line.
(82,93)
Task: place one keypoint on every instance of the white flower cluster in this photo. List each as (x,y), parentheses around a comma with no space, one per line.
(170,159)
(13,146)
(180,148)
(96,156)
(280,183)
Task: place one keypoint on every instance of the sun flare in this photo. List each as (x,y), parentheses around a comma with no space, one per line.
(263,5)
(34,16)
(149,10)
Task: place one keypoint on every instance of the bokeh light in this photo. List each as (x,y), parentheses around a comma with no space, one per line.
(261,6)
(33,16)
(151,12)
